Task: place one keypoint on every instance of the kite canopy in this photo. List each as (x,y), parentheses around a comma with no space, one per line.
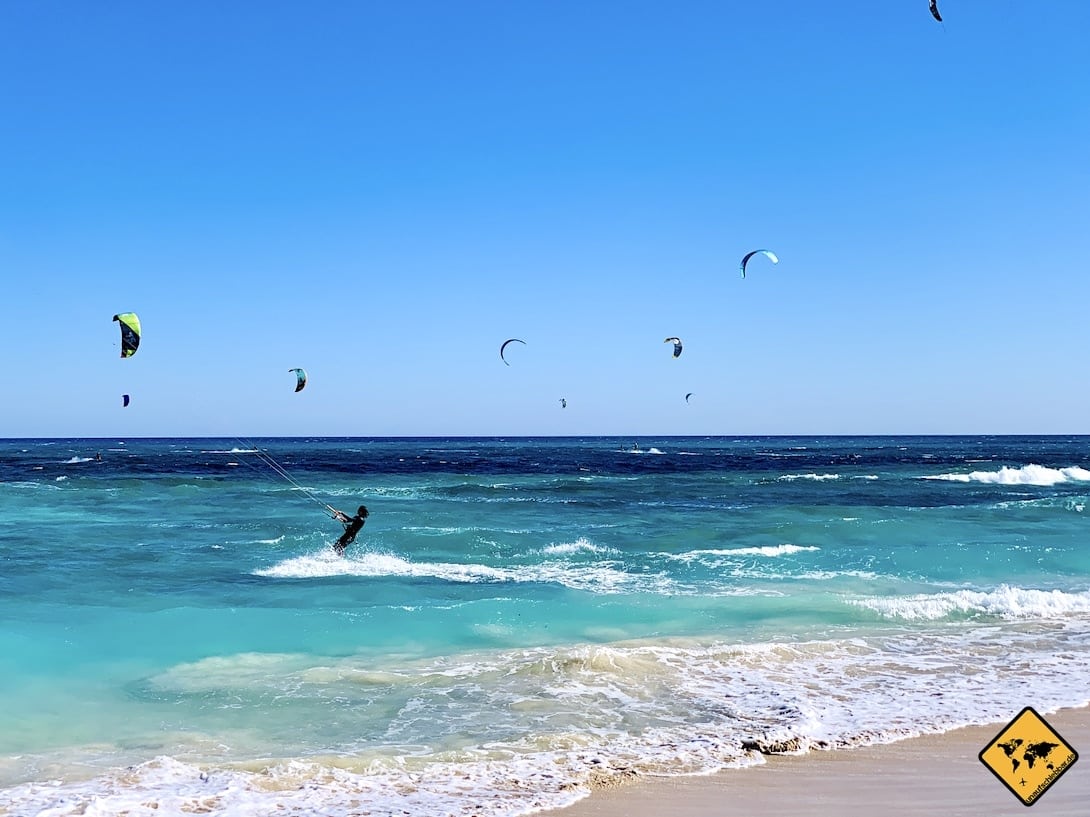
(124,400)
(687,396)
(504,346)
(935,10)
(300,378)
(745,260)
(677,345)
(563,403)
(130,332)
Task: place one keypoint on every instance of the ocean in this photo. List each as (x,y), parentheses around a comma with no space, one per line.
(521,620)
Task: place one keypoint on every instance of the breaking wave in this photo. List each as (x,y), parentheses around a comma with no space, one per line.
(1026,475)
(1005,602)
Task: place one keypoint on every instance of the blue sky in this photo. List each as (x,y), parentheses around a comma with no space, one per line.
(382,193)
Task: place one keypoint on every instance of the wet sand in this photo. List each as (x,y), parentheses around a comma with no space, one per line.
(935,774)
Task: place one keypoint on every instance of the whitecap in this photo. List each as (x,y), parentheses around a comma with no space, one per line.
(1026,475)
(596,578)
(1004,602)
(580,545)
(762,550)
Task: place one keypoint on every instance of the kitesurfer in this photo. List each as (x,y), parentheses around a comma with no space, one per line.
(352,526)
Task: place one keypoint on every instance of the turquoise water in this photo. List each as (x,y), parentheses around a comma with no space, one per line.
(519,618)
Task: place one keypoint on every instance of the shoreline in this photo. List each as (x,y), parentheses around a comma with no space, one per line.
(926,775)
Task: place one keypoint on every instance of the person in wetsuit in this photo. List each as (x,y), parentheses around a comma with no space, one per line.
(352,526)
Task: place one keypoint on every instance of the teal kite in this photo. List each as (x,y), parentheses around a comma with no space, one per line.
(300,378)
(745,260)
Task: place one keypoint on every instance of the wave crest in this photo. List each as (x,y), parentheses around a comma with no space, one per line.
(1004,602)
(580,545)
(764,550)
(596,578)
(1026,475)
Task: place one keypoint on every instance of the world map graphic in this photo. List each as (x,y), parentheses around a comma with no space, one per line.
(1033,753)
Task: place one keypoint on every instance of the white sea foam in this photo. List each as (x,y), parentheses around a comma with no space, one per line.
(580,545)
(816,477)
(597,578)
(447,530)
(1026,475)
(1004,602)
(74,460)
(168,786)
(827,575)
(612,711)
(765,550)
(1067,503)
(33,486)
(386,492)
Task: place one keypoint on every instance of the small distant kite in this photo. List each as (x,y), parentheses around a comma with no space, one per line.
(300,378)
(687,396)
(745,260)
(563,403)
(130,332)
(124,400)
(677,345)
(934,5)
(504,346)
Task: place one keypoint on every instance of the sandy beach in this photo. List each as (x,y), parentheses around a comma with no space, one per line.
(935,774)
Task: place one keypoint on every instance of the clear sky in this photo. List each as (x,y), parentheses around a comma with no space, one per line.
(381,193)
